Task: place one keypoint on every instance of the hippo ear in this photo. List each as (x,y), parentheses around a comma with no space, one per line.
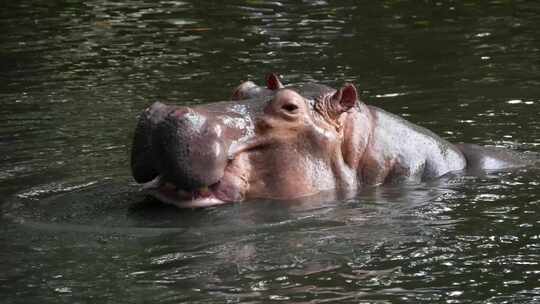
(345,98)
(273,83)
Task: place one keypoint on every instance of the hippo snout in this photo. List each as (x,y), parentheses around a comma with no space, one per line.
(179,144)
(192,154)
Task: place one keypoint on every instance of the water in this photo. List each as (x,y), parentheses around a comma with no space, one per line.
(76,230)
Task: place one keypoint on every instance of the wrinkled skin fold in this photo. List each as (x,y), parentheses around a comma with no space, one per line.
(287,142)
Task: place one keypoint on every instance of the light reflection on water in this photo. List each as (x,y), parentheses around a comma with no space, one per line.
(74,227)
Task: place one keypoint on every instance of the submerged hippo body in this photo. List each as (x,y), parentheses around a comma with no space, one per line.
(288,142)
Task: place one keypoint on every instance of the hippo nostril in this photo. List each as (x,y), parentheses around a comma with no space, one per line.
(157,108)
(180,112)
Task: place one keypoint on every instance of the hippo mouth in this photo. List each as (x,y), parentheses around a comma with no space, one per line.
(229,188)
(169,193)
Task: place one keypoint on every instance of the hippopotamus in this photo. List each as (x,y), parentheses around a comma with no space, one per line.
(286,142)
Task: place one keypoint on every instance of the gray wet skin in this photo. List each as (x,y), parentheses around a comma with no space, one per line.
(285,142)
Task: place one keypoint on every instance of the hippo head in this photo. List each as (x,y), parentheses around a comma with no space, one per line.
(275,142)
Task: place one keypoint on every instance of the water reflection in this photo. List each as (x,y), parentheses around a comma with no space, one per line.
(451,235)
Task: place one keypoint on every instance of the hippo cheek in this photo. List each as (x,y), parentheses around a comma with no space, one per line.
(189,151)
(280,170)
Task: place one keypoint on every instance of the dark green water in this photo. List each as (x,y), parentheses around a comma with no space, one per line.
(74,229)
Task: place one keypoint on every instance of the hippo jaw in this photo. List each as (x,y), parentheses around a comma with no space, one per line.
(231,187)
(213,195)
(170,194)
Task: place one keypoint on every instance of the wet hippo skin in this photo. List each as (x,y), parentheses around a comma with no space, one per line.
(286,142)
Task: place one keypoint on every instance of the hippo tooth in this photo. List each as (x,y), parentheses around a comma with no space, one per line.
(204,191)
(153,184)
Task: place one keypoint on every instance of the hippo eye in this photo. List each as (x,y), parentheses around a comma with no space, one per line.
(290,107)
